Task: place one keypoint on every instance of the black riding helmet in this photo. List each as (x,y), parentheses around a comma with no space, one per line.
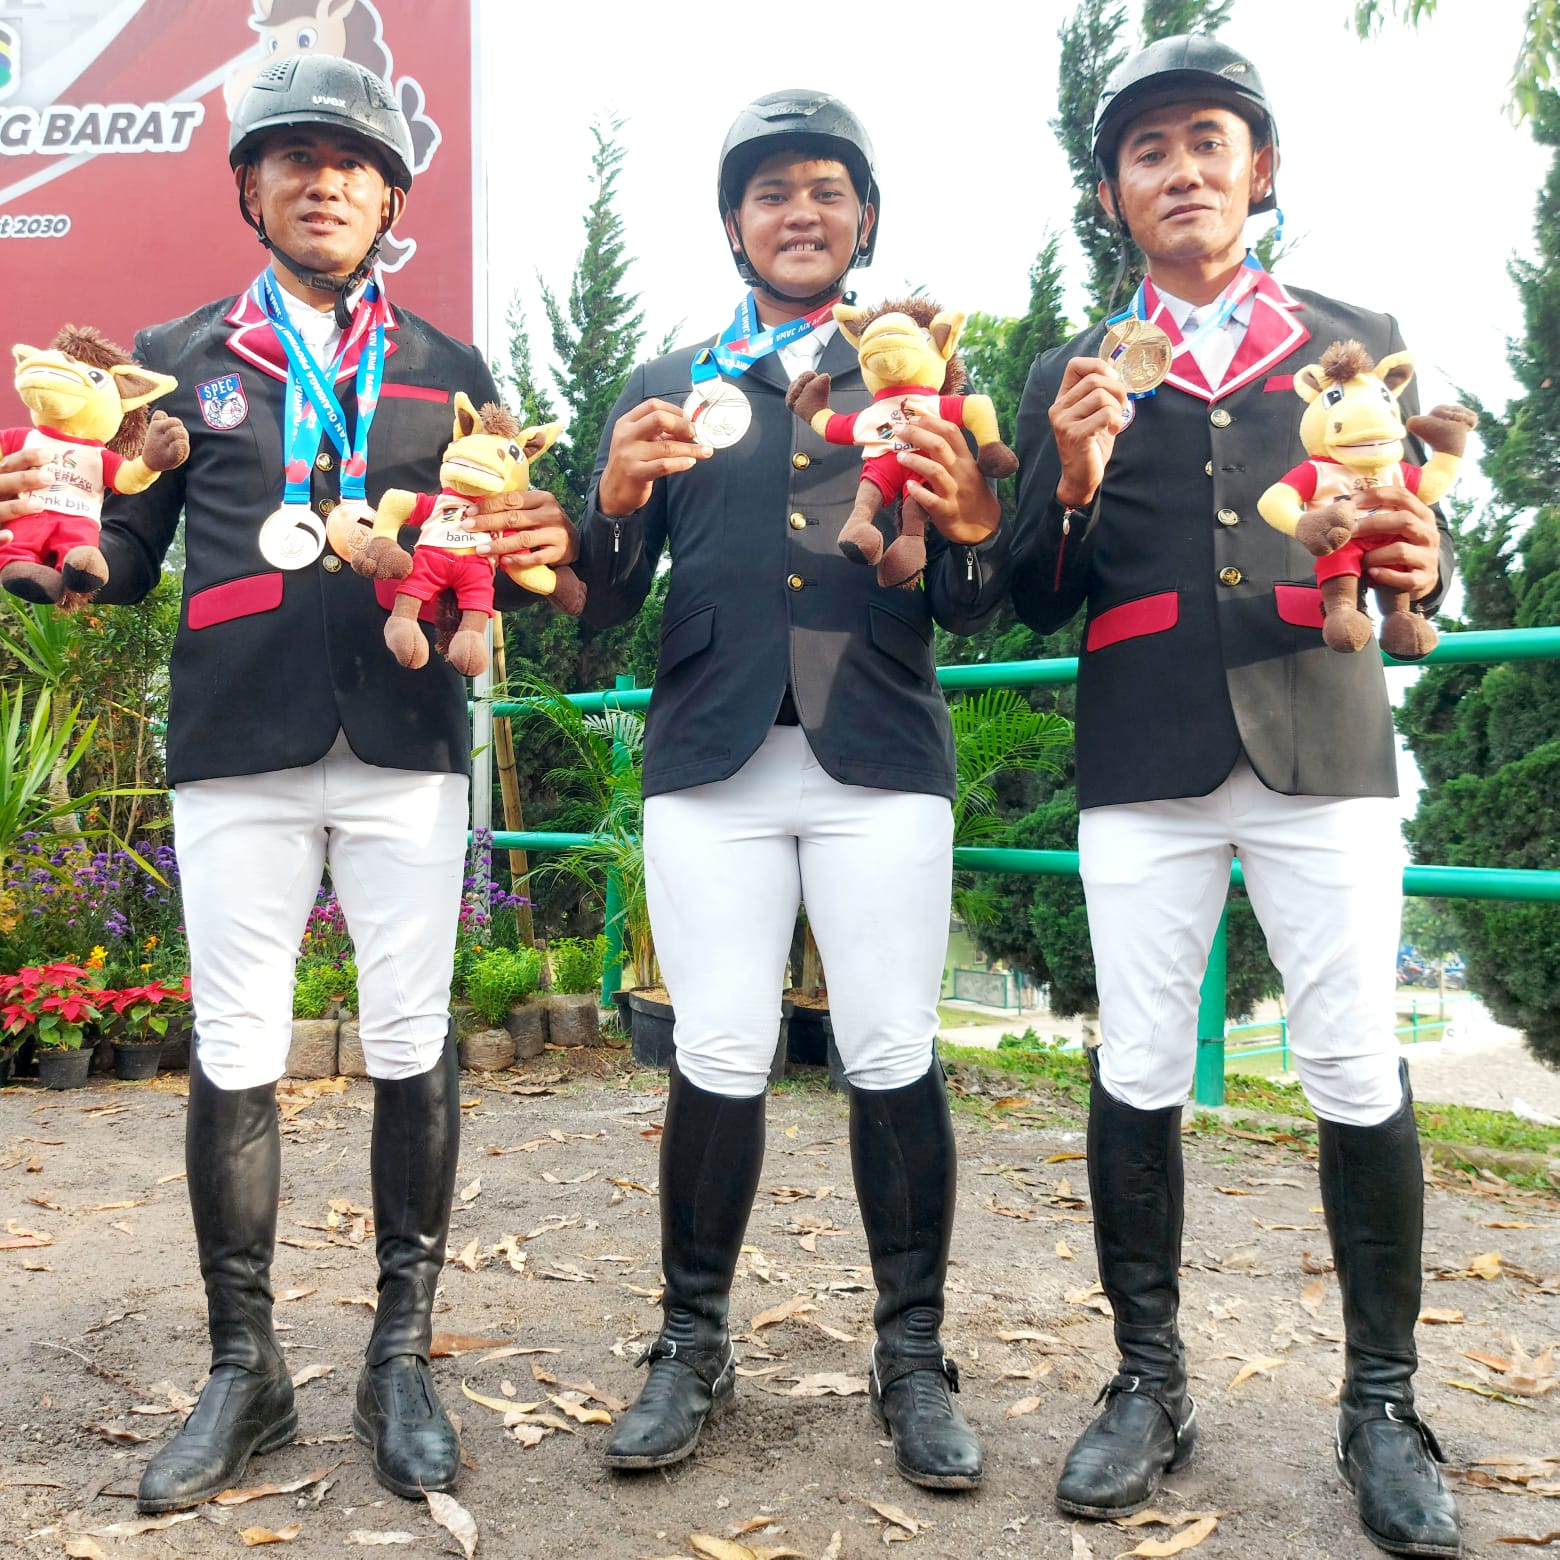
(334,94)
(1174,70)
(807,121)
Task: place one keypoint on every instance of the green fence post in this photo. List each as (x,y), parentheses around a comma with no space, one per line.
(1209,1088)
(612,963)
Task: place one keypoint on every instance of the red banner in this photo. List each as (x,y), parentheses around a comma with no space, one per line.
(117,207)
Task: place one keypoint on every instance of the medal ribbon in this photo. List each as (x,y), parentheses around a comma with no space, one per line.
(312,399)
(1242,285)
(743,343)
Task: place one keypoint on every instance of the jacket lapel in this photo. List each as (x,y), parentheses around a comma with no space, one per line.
(255,341)
(1274,332)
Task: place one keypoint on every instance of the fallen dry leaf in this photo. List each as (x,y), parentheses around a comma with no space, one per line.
(1187,1538)
(472,1192)
(829,1384)
(707,1547)
(80,1547)
(253,1536)
(1312,1295)
(1064,1251)
(312,1373)
(1257,1367)
(1444,1315)
(454,1519)
(139,1525)
(572,1403)
(893,1514)
(836,1544)
(1023,1406)
(1489,1392)
(21,1238)
(447,1345)
(797,1305)
(1548,1538)
(260,1491)
(1486,1265)
(469,1257)
(364,1536)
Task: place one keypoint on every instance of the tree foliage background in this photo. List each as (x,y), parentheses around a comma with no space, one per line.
(1487,739)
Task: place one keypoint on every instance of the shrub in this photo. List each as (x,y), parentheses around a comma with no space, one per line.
(500,979)
(319,986)
(576,963)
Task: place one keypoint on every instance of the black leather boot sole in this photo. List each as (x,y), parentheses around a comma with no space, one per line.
(232,1157)
(236,1417)
(1373,1194)
(934,1445)
(1115,1467)
(712,1149)
(399,1417)
(664,1425)
(904,1161)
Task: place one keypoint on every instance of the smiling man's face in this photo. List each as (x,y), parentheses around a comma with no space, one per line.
(1187,175)
(798,222)
(321,196)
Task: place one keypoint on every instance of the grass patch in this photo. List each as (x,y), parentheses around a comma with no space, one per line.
(962,1018)
(1040,1065)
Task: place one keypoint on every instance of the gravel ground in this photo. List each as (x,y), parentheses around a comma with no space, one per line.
(553,1271)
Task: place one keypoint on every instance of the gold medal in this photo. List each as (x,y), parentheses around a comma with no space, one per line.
(1140,352)
(350,525)
(292,538)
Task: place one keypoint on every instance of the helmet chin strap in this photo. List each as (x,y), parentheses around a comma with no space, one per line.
(325,281)
(835,289)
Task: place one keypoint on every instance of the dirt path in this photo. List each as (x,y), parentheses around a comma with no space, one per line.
(107,1319)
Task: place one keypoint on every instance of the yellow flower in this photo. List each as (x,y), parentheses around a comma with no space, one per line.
(146,966)
(97,958)
(149,944)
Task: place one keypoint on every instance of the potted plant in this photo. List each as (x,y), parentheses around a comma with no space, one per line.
(573,1017)
(504,1025)
(141,1018)
(55,1004)
(322,991)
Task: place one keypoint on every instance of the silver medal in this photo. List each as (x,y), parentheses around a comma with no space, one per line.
(292,538)
(719,412)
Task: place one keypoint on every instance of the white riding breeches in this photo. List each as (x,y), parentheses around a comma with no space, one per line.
(1324,875)
(726,866)
(252,849)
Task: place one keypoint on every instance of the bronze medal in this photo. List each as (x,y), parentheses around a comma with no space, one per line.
(1140,352)
(350,525)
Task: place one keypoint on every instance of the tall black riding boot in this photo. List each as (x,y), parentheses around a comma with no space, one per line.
(1374,1196)
(712,1148)
(905,1162)
(233,1156)
(415,1148)
(1148,1426)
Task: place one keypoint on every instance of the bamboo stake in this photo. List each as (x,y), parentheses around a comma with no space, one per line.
(509,791)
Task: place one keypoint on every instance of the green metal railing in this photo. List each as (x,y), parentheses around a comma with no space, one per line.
(1507,883)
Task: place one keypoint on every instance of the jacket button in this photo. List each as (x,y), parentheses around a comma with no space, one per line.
(1228,517)
(798,521)
(330,563)
(326,505)
(323,461)
(1208,469)
(1220,418)
(796,582)
(801,460)
(1231,576)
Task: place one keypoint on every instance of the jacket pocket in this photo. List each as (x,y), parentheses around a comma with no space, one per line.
(1134,619)
(1299,604)
(906,642)
(237,598)
(686,637)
